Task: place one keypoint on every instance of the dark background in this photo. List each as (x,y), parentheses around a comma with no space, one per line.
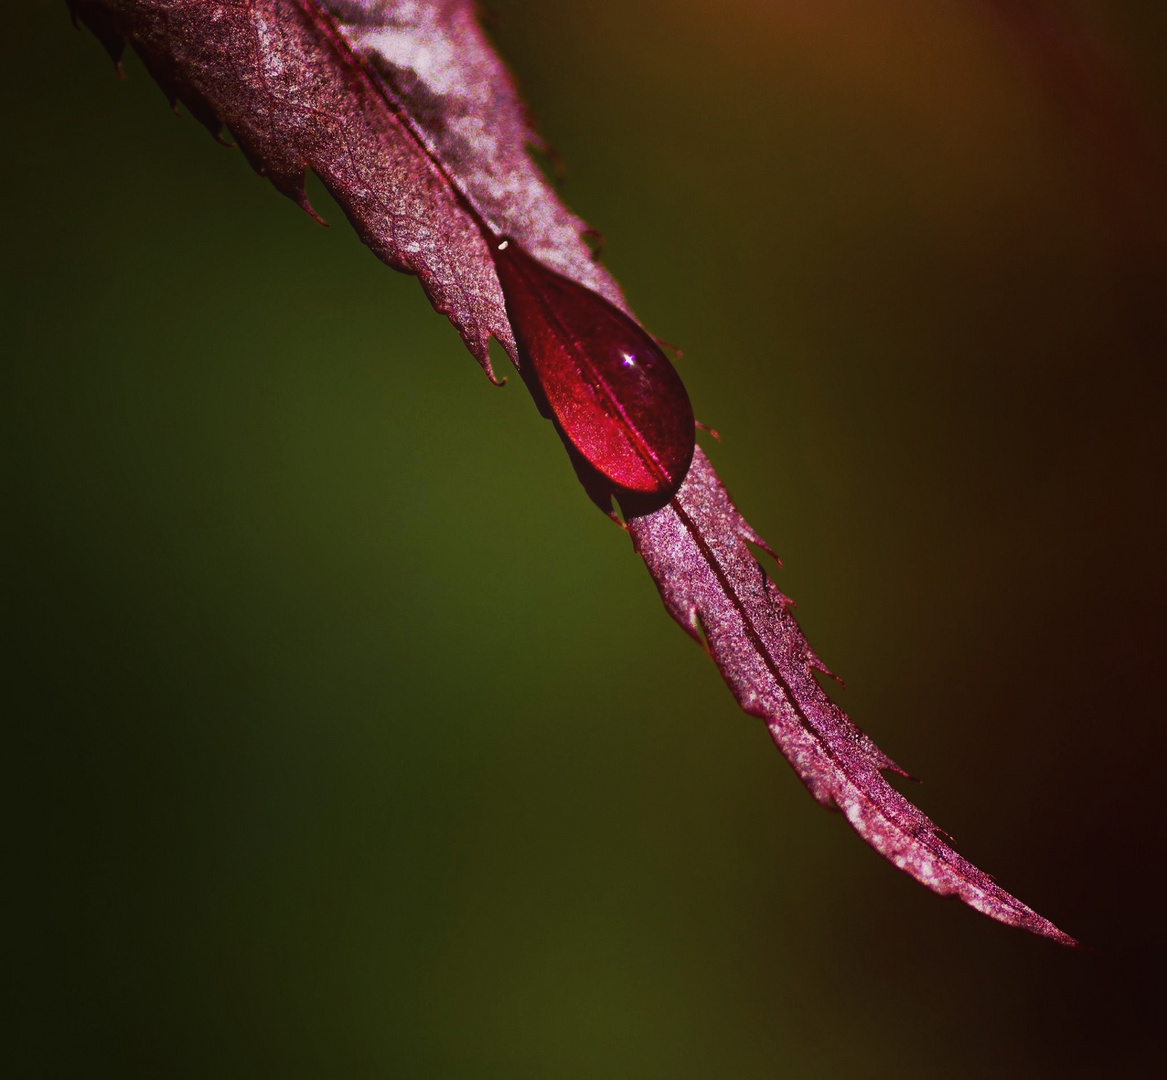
(343,736)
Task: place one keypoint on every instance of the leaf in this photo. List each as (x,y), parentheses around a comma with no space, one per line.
(697,550)
(415,127)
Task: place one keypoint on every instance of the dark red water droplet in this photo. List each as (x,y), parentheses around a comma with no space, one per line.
(616,399)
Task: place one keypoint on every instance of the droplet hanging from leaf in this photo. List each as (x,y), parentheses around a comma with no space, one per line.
(615,397)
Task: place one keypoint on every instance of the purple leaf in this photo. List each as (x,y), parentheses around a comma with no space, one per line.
(415,127)
(697,550)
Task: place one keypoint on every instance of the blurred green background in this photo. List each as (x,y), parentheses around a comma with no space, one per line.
(344,737)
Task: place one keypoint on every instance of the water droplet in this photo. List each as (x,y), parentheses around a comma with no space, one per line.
(613,394)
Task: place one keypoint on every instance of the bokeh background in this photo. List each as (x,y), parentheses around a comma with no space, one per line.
(343,736)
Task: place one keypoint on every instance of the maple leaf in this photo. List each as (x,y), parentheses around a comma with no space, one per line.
(415,127)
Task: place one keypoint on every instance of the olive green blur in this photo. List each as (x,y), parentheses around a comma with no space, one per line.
(343,737)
